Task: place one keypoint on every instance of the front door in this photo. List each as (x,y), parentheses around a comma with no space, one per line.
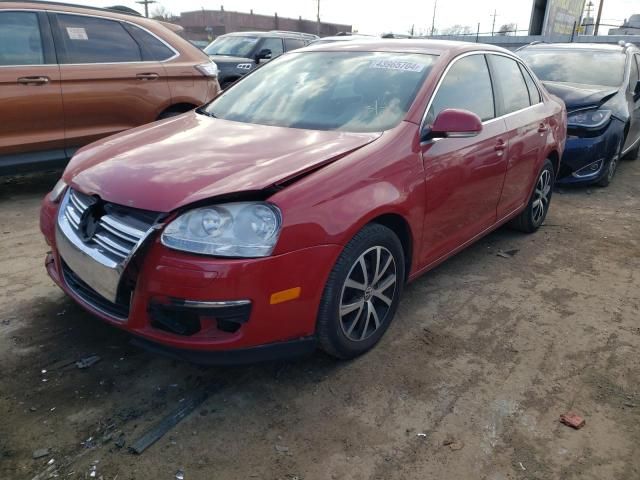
(32,119)
(463,176)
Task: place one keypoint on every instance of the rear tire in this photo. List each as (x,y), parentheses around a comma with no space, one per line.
(532,217)
(362,293)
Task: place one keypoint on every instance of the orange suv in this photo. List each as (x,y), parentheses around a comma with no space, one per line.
(70,75)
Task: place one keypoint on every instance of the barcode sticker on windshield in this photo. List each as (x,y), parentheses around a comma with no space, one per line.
(77,33)
(396,65)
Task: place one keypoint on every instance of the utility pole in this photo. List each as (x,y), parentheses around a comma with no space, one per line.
(493,27)
(595,32)
(433,19)
(318,17)
(146,6)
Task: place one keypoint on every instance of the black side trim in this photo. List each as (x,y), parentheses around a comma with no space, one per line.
(28,162)
(263,353)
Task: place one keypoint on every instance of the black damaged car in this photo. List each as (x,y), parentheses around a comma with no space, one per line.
(600,85)
(236,54)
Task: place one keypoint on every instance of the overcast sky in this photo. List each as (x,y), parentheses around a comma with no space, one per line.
(367,17)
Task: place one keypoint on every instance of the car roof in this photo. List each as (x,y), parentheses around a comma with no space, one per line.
(433,47)
(272,33)
(607,47)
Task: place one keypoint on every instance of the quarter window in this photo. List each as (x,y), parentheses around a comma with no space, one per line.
(513,88)
(467,86)
(20,40)
(96,40)
(152,48)
(293,43)
(273,44)
(534,93)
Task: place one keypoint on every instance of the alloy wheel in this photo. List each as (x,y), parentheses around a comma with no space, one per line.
(367,293)
(542,194)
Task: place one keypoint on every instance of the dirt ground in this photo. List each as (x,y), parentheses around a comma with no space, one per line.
(485,354)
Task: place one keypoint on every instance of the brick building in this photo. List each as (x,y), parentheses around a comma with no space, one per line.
(208,24)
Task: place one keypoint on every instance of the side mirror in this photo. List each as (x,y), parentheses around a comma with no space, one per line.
(264,54)
(454,123)
(636,92)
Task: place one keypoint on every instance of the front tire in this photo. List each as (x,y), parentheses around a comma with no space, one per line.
(362,293)
(536,210)
(612,166)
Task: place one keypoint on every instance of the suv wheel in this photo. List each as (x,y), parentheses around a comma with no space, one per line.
(612,167)
(362,293)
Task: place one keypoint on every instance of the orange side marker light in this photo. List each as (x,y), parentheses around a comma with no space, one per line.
(285,295)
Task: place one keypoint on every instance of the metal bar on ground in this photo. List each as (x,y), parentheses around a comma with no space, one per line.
(156,432)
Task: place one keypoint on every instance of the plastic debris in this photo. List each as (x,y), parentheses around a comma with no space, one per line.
(421,435)
(281,449)
(507,253)
(180,474)
(572,420)
(88,361)
(40,452)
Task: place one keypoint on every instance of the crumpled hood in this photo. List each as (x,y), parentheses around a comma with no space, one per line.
(577,96)
(192,157)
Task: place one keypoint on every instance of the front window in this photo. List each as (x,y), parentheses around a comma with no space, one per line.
(587,67)
(232,46)
(346,91)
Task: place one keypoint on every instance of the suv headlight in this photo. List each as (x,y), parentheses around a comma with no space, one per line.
(241,229)
(589,118)
(56,193)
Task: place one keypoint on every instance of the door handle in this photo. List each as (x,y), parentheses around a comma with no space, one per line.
(500,146)
(147,76)
(33,80)
(542,128)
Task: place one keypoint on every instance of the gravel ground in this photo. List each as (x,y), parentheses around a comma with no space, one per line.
(469,382)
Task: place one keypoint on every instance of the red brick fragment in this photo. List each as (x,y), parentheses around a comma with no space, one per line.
(573,420)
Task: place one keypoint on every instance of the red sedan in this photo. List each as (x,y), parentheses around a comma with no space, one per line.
(290,212)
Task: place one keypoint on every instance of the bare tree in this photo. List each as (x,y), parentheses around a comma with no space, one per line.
(161,13)
(507,29)
(456,29)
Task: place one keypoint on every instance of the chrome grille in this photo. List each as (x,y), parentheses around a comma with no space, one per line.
(118,231)
(97,240)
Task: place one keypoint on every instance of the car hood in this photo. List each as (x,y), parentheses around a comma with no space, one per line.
(222,59)
(577,96)
(192,157)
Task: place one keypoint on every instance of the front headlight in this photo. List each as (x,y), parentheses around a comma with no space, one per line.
(242,229)
(56,193)
(589,118)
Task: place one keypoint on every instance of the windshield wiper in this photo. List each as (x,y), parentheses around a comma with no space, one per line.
(202,111)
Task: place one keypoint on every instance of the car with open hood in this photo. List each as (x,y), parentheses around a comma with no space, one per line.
(600,86)
(290,211)
(238,53)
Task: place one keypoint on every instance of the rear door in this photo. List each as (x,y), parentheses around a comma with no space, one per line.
(520,103)
(31,115)
(634,103)
(107,87)
(463,175)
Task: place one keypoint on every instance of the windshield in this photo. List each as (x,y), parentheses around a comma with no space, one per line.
(589,67)
(346,91)
(235,46)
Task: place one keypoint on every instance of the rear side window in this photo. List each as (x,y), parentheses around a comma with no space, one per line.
(152,48)
(20,40)
(467,86)
(515,95)
(96,40)
(534,93)
(293,43)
